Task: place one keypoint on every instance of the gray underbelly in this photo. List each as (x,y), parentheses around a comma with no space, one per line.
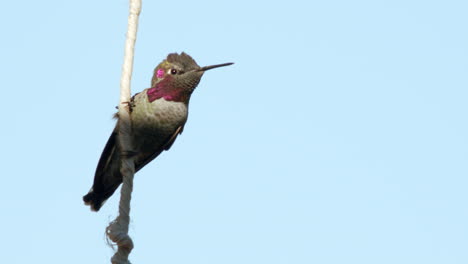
(154,123)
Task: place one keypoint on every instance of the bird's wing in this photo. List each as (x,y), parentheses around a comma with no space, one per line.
(107,177)
(107,153)
(141,163)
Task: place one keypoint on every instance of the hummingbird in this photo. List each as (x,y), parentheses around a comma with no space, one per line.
(157,114)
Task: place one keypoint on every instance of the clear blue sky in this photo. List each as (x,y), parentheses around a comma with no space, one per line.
(339,136)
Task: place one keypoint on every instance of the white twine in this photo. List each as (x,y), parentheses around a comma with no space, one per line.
(117,231)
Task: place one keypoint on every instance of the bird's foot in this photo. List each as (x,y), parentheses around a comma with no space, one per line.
(130,105)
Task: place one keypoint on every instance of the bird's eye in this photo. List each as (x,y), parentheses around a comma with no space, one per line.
(173,71)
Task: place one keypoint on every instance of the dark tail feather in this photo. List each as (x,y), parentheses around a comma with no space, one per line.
(94,200)
(107,177)
(101,191)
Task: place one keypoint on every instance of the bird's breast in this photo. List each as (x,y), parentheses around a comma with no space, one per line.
(159,113)
(157,120)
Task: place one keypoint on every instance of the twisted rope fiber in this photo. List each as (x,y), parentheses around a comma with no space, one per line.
(117,231)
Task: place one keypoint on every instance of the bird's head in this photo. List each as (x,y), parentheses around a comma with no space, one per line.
(177,76)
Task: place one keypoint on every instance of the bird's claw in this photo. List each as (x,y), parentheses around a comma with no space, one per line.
(129,104)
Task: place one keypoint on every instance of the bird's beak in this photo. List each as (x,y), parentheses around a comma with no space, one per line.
(205,68)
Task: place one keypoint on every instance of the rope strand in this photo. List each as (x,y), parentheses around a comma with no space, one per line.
(117,231)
